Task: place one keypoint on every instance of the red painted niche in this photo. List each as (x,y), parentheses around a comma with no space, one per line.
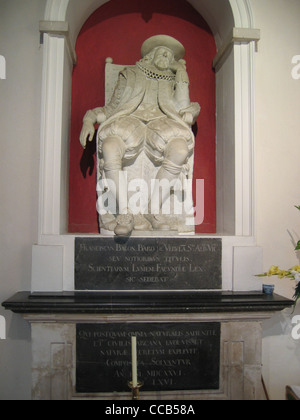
(118,29)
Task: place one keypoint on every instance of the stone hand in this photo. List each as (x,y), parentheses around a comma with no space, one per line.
(188,118)
(178,66)
(87,133)
(101,117)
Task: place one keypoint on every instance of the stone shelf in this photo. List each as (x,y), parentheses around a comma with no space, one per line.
(144,302)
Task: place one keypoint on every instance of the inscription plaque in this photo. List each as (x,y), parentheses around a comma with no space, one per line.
(181,356)
(148,264)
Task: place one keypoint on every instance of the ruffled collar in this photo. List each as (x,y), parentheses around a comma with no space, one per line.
(154,74)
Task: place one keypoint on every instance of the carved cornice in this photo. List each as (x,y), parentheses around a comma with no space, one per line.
(236,36)
(58,28)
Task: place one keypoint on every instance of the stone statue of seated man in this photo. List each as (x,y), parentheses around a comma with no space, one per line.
(150,112)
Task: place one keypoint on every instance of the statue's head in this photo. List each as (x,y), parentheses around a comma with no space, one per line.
(162,50)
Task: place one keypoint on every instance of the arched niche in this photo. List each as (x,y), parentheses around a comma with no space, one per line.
(231,22)
(235,205)
(117,29)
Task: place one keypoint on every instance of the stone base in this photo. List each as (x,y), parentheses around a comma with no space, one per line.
(54,362)
(54,338)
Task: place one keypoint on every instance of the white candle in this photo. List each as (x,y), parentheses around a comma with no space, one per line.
(134,362)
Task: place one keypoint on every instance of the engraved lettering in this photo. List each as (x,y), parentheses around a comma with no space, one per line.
(169,355)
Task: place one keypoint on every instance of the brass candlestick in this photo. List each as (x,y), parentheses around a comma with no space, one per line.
(135,390)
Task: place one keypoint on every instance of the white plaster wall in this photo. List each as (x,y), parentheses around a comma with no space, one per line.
(278,173)
(19,171)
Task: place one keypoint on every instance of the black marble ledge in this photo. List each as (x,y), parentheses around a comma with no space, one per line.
(144,302)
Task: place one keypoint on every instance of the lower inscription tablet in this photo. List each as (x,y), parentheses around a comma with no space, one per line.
(171,356)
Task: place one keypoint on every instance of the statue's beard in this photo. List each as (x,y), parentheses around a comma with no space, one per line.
(162,63)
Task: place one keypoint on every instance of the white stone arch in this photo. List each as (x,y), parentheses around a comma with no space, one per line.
(56,10)
(221,16)
(231,22)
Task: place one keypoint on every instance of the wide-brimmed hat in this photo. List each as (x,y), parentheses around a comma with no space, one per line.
(163,41)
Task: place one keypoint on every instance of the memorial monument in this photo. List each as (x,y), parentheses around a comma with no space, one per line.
(145,135)
(198,336)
